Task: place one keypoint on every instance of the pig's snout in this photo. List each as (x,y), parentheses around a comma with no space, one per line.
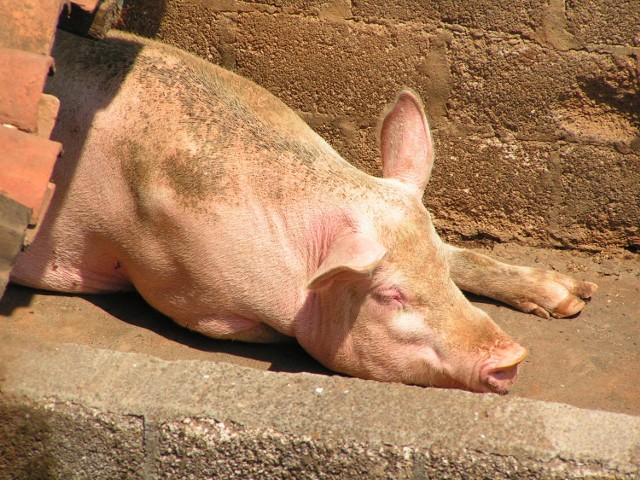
(500,372)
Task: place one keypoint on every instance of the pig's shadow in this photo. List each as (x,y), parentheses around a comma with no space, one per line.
(132,309)
(479,301)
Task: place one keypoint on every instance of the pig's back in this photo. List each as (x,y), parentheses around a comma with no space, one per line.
(162,148)
(197,128)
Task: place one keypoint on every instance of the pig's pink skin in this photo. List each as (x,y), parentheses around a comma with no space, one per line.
(231,216)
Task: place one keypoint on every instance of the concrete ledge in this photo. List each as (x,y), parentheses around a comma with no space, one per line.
(70,411)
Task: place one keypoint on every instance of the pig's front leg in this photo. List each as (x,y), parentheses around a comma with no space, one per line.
(532,290)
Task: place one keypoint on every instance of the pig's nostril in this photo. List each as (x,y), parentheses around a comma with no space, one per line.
(504,374)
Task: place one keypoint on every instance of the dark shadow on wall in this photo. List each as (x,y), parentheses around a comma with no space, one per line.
(620,90)
(142,17)
(85,69)
(26,437)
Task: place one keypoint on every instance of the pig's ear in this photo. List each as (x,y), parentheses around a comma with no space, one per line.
(355,253)
(405,142)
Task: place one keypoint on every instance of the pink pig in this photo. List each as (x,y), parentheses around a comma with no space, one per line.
(228,214)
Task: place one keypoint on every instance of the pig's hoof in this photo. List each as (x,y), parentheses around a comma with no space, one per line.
(560,297)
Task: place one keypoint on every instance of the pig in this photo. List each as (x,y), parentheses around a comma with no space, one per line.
(228,214)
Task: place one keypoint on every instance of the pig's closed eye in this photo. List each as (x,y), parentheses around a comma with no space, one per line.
(390,296)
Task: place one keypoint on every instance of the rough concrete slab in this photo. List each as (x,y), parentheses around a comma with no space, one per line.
(188,407)
(496,82)
(44,438)
(273,48)
(466,182)
(207,419)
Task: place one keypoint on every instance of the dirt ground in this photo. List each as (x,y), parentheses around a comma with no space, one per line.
(590,361)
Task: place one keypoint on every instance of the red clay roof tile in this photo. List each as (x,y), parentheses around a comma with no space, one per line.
(21,81)
(29,24)
(26,164)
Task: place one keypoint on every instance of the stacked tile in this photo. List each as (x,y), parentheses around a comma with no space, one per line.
(27,115)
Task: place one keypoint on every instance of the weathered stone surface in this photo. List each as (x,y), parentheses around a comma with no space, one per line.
(481,189)
(521,16)
(609,208)
(201,28)
(354,70)
(519,88)
(320,8)
(605,22)
(355,139)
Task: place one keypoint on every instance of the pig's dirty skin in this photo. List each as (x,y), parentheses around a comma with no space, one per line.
(228,214)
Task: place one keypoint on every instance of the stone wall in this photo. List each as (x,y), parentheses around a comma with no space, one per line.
(534,105)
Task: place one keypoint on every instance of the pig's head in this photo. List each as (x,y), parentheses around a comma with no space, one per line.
(388,307)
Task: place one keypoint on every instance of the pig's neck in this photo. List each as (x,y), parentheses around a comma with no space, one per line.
(339,212)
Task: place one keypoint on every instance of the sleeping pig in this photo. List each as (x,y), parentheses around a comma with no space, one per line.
(228,214)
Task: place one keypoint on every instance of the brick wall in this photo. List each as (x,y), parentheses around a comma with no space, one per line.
(534,105)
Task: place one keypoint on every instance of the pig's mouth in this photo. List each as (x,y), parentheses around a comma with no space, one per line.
(499,374)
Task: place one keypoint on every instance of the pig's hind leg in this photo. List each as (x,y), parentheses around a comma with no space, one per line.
(541,292)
